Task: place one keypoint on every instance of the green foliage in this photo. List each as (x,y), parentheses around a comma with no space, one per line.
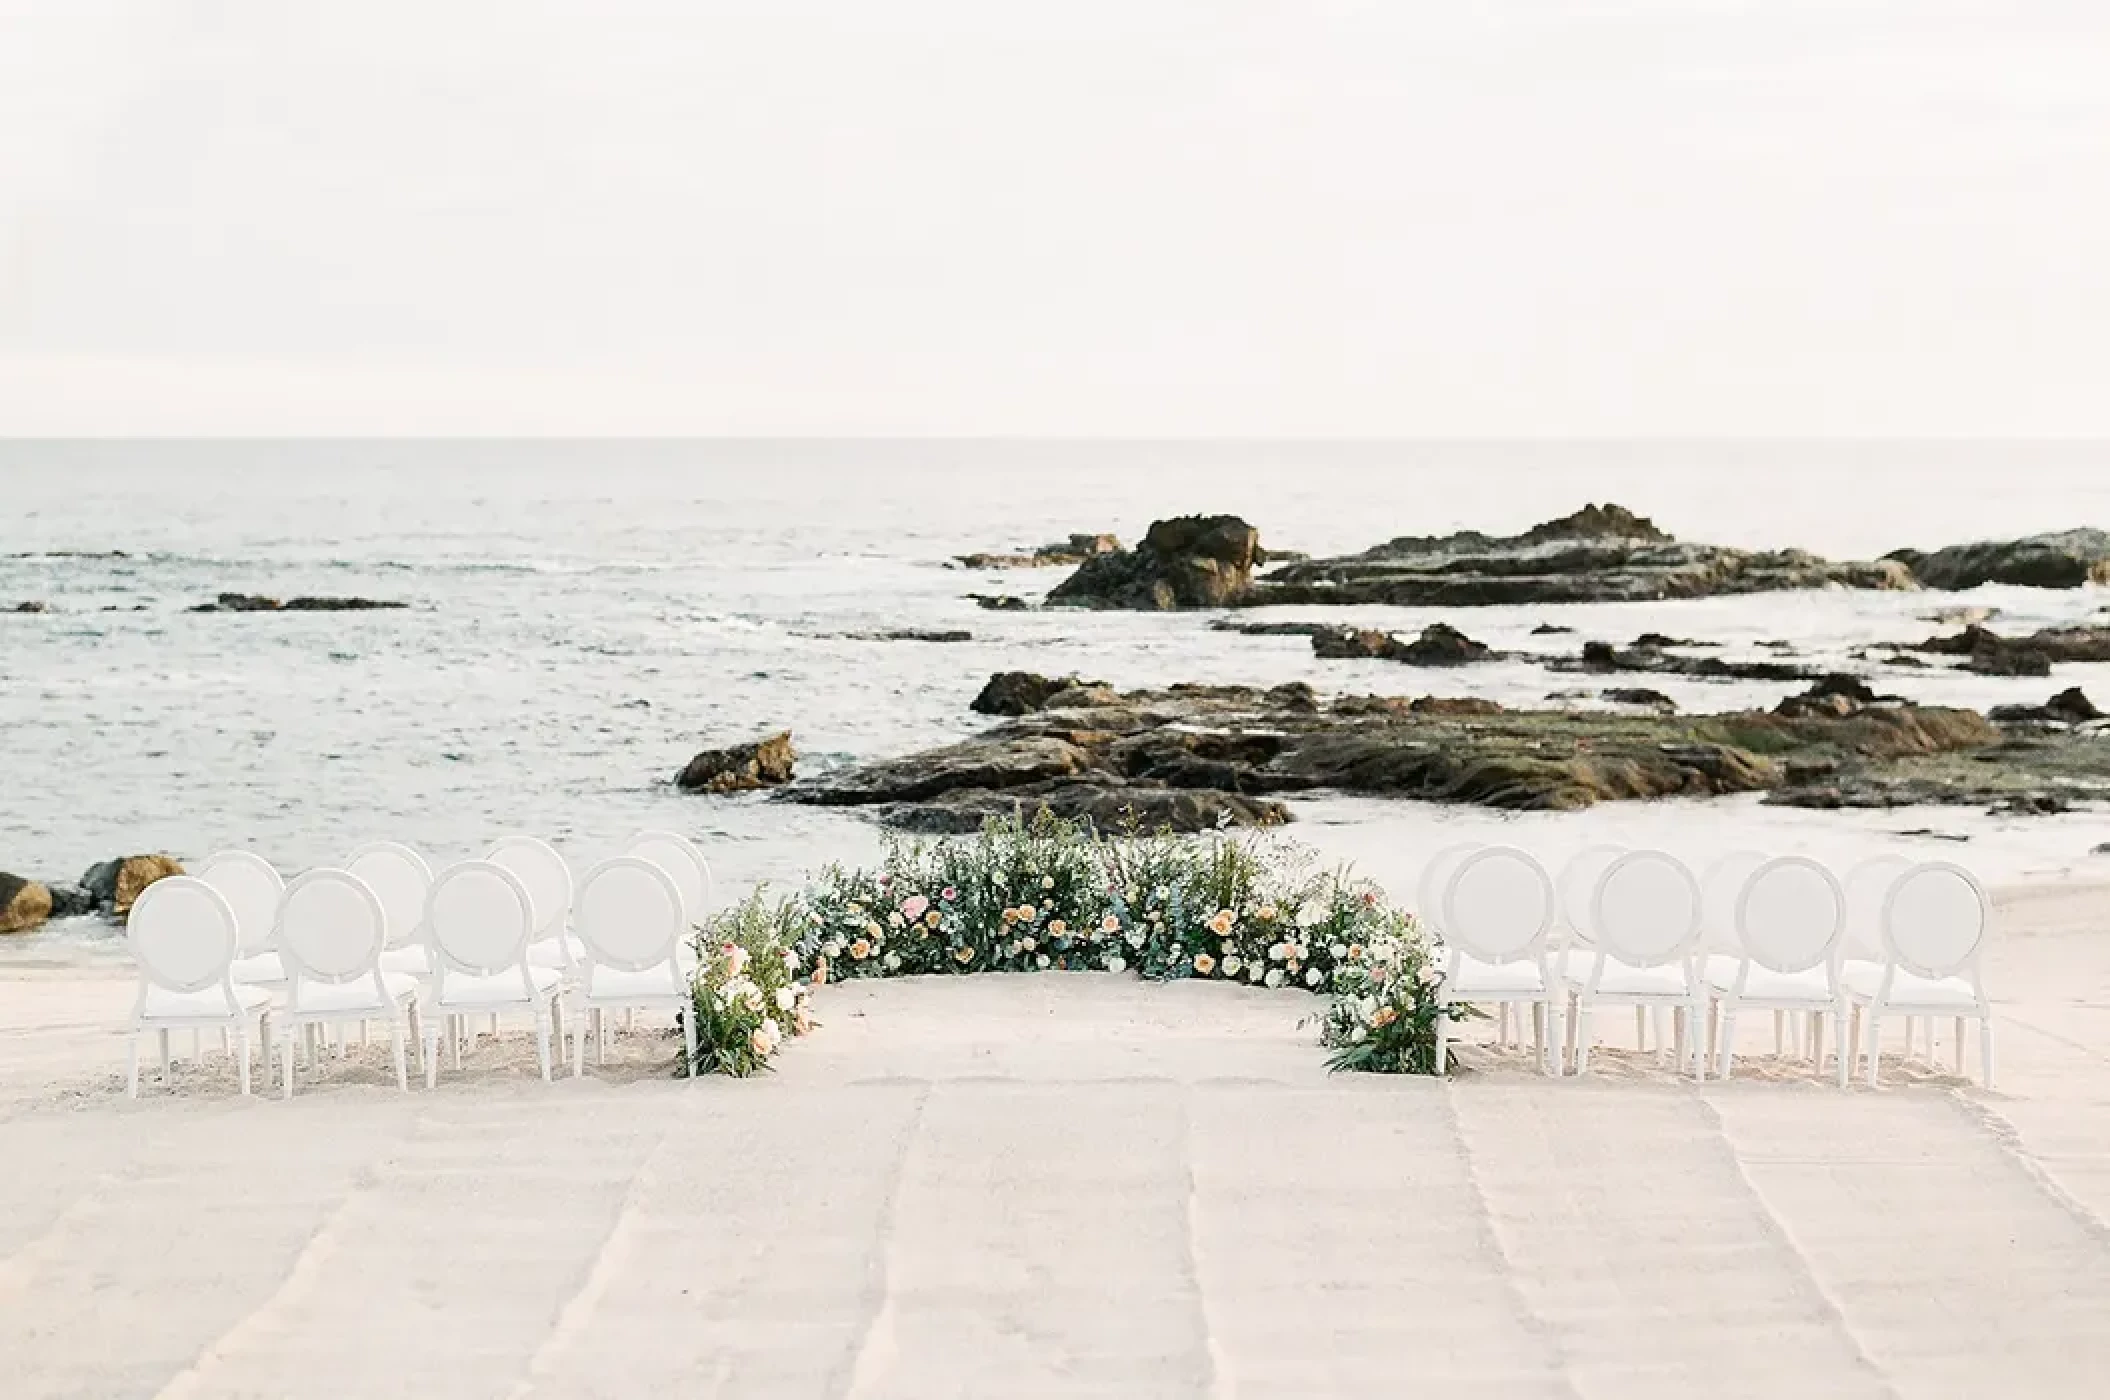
(747,993)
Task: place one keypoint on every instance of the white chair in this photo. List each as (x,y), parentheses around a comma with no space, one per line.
(1935,921)
(1720,886)
(1428,904)
(478,922)
(630,916)
(1789,918)
(1498,907)
(1867,888)
(400,879)
(332,929)
(684,863)
(184,934)
(1576,885)
(547,879)
(253,889)
(1645,918)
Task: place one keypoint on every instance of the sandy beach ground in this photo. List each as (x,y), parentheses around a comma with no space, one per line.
(1066,1185)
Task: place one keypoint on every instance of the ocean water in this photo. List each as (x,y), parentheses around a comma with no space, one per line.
(584,616)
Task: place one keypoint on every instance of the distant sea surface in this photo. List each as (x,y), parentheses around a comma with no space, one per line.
(585,615)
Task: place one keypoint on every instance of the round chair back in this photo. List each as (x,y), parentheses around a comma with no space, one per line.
(332,928)
(478,918)
(400,879)
(630,914)
(253,889)
(1578,886)
(1499,906)
(677,855)
(1436,881)
(1646,911)
(1935,920)
(184,934)
(545,876)
(1790,915)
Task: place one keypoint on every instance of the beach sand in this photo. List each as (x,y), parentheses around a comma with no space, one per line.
(1067,1186)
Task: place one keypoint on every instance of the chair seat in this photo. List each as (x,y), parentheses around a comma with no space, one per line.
(457,991)
(615,984)
(412,959)
(1474,978)
(1810,986)
(561,952)
(329,998)
(1621,980)
(210,1004)
(259,968)
(1863,980)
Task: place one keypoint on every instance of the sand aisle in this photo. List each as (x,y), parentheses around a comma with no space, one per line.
(1065,1186)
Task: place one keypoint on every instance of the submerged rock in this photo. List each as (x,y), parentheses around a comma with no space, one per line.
(1598,554)
(1438,645)
(1000,602)
(1193,561)
(33,606)
(912,634)
(70,902)
(1989,653)
(2067,559)
(1602,657)
(114,885)
(257,602)
(2069,706)
(1642,699)
(767,762)
(24,904)
(1074,550)
(1021,692)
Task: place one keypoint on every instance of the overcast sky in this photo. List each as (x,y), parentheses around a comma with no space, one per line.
(1074,217)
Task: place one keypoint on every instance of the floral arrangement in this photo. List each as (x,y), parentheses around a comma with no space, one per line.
(749,992)
(1051,894)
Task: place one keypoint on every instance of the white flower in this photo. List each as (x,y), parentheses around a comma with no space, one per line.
(1359,1035)
(1231,963)
(833,947)
(1278,951)
(1254,972)
(1229,945)
(1339,950)
(1276,978)
(1116,965)
(1026,943)
(786,998)
(1135,940)
(1041,961)
(892,962)
(1313,978)
(1047,882)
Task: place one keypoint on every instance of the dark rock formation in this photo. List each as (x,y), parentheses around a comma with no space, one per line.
(1548,629)
(1000,602)
(1277,629)
(2067,707)
(2067,559)
(1074,550)
(1599,554)
(766,762)
(1643,699)
(256,602)
(115,884)
(1021,692)
(1988,653)
(1656,641)
(24,904)
(1138,750)
(1833,697)
(70,902)
(1438,645)
(1602,657)
(911,634)
(1194,561)
(29,607)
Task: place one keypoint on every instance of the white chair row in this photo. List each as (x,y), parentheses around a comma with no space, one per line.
(1635,928)
(382,939)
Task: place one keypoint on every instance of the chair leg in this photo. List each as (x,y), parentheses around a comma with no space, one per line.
(226,1046)
(1726,1064)
(1666,1029)
(1817,1040)
(1443,1040)
(1569,1021)
(303,1032)
(1501,1024)
(417,1033)
(1845,1067)
(1985,1048)
(1875,1044)
(364,1028)
(1584,1025)
(242,1065)
(395,1027)
(1641,1029)
(132,1065)
(1539,1010)
(266,1032)
(1959,1047)
(167,1078)
(1908,1038)
(688,1029)
(196,1053)
(431,1050)
(1683,1028)
(463,1029)
(542,1045)
(578,1044)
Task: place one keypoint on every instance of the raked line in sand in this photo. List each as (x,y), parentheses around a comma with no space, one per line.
(1066,1186)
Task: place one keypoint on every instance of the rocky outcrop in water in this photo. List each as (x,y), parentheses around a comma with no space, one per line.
(1194,561)
(1074,550)
(24,904)
(1604,658)
(1438,645)
(767,762)
(1194,755)
(2067,559)
(2068,707)
(1000,602)
(1988,653)
(1599,554)
(32,606)
(257,602)
(114,885)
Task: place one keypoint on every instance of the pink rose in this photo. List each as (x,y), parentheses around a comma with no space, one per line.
(912,909)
